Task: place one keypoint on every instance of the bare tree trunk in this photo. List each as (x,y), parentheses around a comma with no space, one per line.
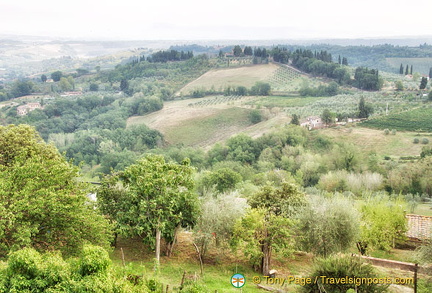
(266,259)
(158,240)
(200,258)
(170,246)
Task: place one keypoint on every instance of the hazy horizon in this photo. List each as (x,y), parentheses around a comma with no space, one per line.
(222,20)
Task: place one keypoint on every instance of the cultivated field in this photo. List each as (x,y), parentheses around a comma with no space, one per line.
(240,76)
(419,119)
(206,121)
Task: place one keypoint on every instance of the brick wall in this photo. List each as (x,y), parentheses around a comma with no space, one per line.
(419,227)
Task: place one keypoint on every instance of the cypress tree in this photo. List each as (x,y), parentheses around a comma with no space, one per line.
(423,83)
(411,71)
(430,72)
(344,61)
(406,70)
(401,71)
(295,119)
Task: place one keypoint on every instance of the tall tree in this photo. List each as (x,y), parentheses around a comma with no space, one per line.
(423,83)
(248,51)
(411,70)
(56,75)
(42,205)
(157,199)
(401,69)
(344,61)
(43,78)
(327,117)
(430,72)
(365,110)
(237,51)
(406,70)
(295,119)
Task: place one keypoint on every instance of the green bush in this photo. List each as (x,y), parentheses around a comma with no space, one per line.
(425,141)
(29,271)
(343,267)
(25,262)
(416,140)
(386,131)
(94,260)
(255,116)
(195,288)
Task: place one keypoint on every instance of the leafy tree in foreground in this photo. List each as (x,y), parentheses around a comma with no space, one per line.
(267,226)
(41,203)
(156,201)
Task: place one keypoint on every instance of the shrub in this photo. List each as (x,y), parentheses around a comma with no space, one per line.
(29,271)
(425,141)
(94,260)
(255,116)
(25,262)
(350,267)
(416,140)
(94,87)
(386,131)
(393,132)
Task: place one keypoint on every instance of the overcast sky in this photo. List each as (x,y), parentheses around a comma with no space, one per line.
(218,19)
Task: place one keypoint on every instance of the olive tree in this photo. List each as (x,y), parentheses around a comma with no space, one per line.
(268,224)
(328,225)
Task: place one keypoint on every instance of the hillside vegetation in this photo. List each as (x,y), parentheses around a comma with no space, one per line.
(217,180)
